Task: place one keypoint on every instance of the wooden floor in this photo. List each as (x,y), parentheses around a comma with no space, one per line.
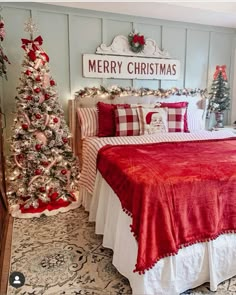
(6,257)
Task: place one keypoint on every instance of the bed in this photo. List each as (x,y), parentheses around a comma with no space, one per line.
(193,265)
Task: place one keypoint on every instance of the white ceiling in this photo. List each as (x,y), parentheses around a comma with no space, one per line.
(209,13)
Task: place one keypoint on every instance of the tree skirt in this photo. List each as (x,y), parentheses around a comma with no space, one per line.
(48,209)
(62,255)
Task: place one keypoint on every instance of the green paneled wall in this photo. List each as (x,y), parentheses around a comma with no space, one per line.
(68,33)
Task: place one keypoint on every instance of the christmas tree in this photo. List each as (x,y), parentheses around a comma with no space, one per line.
(219,95)
(43,173)
(3,57)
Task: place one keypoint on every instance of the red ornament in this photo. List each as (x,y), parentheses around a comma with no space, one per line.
(52,82)
(47,96)
(37,90)
(20,157)
(38,79)
(38,147)
(55,120)
(29,97)
(37,172)
(54,196)
(38,116)
(25,126)
(42,189)
(64,139)
(45,163)
(63,171)
(27,72)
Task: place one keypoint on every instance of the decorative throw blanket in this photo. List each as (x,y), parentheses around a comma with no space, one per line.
(177,193)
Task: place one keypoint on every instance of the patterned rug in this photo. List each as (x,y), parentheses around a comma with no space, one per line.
(61,255)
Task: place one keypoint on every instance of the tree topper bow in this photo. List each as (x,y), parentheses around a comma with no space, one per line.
(221,69)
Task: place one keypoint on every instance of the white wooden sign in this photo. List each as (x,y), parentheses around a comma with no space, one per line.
(123,67)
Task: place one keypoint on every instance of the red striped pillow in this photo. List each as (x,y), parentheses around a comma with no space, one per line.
(88,118)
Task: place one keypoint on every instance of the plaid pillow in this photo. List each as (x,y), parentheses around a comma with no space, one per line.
(127,122)
(176,119)
(173,105)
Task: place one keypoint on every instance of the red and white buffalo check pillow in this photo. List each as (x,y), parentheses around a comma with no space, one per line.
(176,119)
(127,122)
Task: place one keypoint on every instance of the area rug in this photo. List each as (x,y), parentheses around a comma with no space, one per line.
(61,255)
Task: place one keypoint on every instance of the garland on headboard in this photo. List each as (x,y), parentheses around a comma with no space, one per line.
(128,91)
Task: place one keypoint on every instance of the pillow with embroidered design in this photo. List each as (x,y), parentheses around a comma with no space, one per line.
(152,120)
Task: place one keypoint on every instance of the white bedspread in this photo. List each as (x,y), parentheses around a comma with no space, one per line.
(211,262)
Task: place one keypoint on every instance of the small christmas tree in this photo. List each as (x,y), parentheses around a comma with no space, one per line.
(219,95)
(43,173)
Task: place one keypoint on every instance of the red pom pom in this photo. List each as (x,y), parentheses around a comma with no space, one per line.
(52,82)
(63,171)
(38,79)
(64,139)
(29,97)
(37,90)
(42,189)
(38,116)
(25,126)
(27,72)
(47,96)
(55,120)
(37,172)
(38,147)
(54,196)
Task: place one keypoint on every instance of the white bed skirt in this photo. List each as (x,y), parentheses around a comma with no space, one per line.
(211,262)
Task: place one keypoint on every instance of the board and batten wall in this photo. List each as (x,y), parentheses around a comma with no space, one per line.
(69,32)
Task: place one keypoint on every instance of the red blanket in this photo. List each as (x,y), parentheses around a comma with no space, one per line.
(177,193)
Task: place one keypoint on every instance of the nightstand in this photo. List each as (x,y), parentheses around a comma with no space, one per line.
(227,128)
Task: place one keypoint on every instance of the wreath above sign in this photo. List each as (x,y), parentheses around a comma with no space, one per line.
(136,42)
(133,45)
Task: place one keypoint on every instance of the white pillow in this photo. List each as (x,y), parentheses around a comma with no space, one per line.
(195,119)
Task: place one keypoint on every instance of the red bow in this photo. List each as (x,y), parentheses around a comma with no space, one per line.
(32,44)
(220,69)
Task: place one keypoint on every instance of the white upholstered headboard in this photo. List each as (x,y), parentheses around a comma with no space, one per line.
(89,97)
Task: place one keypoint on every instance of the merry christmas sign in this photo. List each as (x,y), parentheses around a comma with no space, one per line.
(121,60)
